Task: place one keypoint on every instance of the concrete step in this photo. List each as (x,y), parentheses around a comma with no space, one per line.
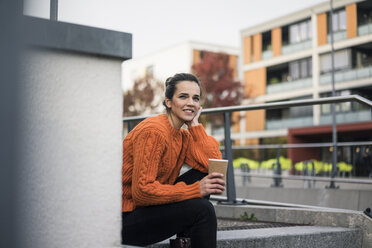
(301,215)
(297,236)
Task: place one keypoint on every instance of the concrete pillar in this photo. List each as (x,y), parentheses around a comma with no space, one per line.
(71,129)
(9,87)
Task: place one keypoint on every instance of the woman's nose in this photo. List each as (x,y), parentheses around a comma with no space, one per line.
(190,101)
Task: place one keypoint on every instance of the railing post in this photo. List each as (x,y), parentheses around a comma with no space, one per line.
(278,170)
(244,167)
(231,192)
(313,172)
(130,126)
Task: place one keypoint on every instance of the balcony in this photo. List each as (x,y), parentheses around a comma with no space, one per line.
(288,86)
(358,116)
(295,47)
(289,123)
(337,36)
(347,75)
(365,29)
(268,54)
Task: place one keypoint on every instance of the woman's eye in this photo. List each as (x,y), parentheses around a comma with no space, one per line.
(196,99)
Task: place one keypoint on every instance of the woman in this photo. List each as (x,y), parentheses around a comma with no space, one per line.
(155,203)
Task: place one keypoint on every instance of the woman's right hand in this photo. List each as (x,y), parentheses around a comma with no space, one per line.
(212,184)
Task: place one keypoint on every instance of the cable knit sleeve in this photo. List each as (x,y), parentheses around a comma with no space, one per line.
(149,147)
(200,148)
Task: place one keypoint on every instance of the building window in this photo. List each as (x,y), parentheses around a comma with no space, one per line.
(300,31)
(338,21)
(266,41)
(361,56)
(201,55)
(300,69)
(341,61)
(364,13)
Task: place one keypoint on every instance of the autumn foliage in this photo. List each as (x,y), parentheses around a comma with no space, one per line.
(219,86)
(144,98)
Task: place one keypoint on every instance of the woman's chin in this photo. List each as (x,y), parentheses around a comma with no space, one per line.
(188,119)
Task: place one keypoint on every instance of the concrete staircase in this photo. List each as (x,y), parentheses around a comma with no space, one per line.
(286,237)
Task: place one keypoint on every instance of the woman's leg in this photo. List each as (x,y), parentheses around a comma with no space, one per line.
(194,218)
(191,176)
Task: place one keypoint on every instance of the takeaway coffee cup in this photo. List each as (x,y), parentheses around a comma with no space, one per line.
(218,165)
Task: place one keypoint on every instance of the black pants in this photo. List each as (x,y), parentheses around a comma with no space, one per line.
(193,218)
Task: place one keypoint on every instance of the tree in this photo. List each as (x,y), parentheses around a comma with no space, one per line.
(144,98)
(219,86)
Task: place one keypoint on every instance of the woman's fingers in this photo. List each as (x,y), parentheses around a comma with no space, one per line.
(212,184)
(218,181)
(216,186)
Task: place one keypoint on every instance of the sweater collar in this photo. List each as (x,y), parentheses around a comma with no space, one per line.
(173,131)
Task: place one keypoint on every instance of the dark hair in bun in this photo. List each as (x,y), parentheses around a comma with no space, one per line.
(171,82)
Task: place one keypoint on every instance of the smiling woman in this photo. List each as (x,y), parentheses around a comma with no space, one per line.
(158,203)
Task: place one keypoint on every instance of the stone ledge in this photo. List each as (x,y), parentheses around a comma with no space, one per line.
(76,38)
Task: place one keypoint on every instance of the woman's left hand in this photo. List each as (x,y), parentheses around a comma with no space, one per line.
(195,120)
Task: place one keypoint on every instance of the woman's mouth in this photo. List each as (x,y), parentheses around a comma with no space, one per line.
(190,111)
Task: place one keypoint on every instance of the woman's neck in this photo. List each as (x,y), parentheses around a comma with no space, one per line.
(174,121)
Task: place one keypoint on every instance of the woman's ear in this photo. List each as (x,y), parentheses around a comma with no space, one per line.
(168,102)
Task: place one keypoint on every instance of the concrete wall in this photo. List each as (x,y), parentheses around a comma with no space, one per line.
(70,183)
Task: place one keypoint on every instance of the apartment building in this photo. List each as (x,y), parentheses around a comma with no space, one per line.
(289,58)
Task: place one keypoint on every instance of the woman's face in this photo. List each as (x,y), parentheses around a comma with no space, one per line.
(185,102)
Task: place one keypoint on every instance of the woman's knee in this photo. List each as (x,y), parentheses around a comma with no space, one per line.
(203,207)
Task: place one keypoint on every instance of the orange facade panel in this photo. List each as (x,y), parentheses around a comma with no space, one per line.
(276,41)
(351,21)
(247,50)
(255,83)
(233,63)
(255,120)
(196,57)
(253,141)
(322,28)
(257,47)
(235,118)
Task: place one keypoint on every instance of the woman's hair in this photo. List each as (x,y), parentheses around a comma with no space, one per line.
(171,82)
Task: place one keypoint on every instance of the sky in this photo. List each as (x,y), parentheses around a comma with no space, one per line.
(158,24)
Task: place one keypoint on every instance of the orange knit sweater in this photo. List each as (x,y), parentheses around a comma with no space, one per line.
(153,154)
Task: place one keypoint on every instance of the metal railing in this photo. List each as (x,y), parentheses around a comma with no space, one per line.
(277,176)
(226,111)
